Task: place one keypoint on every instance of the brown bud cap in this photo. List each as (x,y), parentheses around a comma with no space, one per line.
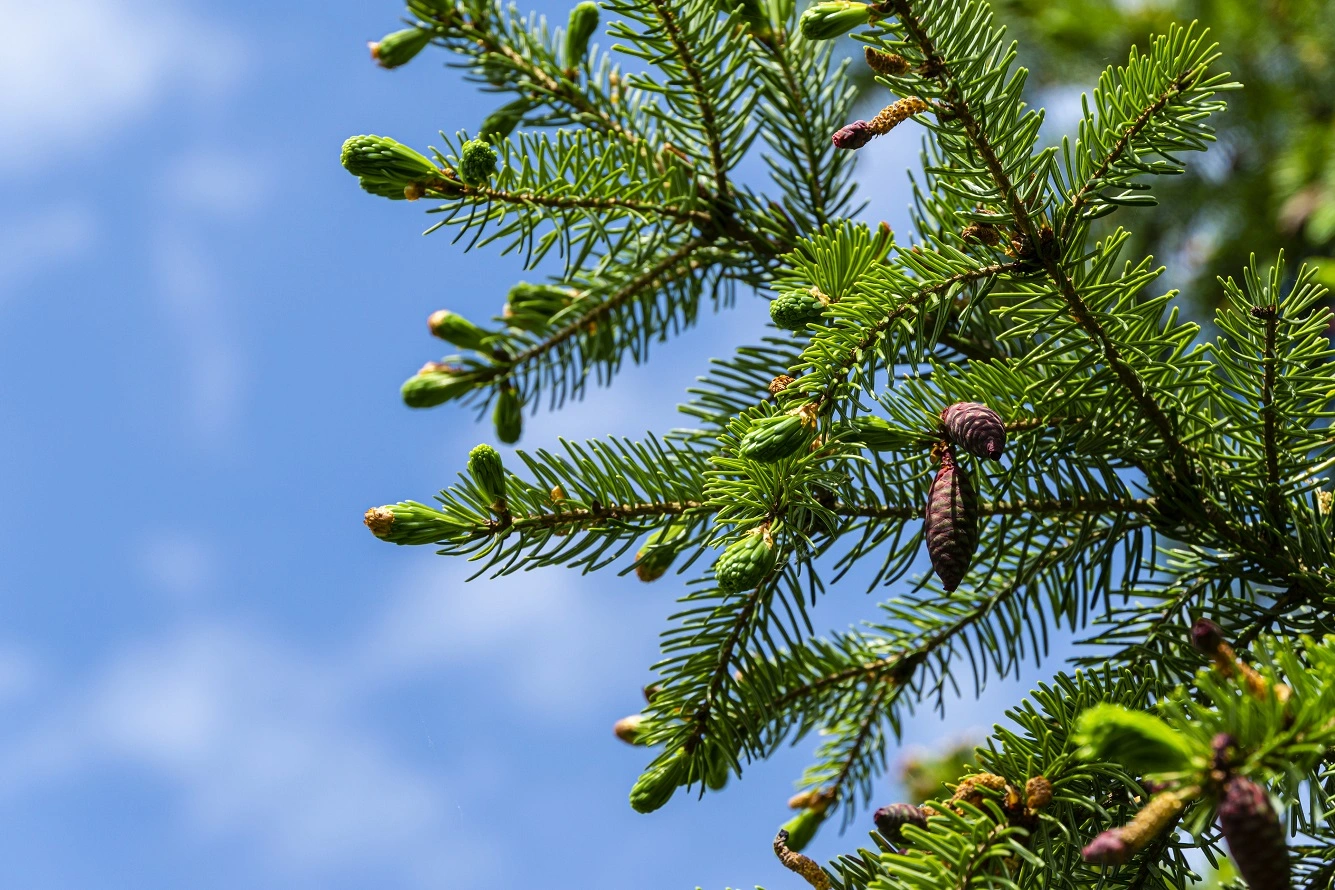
(651,690)
(1037,793)
(628,729)
(893,115)
(558,494)
(1255,836)
(801,800)
(779,384)
(968,788)
(976,428)
(886,64)
(981,233)
(853,136)
(379,520)
(951,525)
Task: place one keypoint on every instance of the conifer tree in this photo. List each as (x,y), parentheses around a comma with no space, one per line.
(1002,388)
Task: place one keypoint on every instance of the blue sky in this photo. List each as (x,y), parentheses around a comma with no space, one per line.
(216,677)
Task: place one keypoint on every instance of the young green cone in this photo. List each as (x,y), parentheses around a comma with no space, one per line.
(746,562)
(778,436)
(1255,836)
(1138,741)
(484,465)
(951,526)
(398,48)
(656,556)
(656,787)
(532,306)
(831,18)
(508,415)
(457,330)
(477,162)
(581,27)
(409,522)
(796,309)
(435,385)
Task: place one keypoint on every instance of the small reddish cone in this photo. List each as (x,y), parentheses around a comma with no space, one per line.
(853,136)
(1255,837)
(1206,636)
(891,820)
(951,526)
(976,428)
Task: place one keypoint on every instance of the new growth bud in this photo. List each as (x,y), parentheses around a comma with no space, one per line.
(457,330)
(656,787)
(398,48)
(802,828)
(434,385)
(796,309)
(508,415)
(583,23)
(780,435)
(828,19)
(409,522)
(656,556)
(502,122)
(1138,741)
(746,562)
(477,162)
(385,160)
(628,729)
(488,472)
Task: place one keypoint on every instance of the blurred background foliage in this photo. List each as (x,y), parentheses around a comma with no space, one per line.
(1269,183)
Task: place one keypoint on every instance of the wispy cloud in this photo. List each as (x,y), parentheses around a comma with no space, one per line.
(75,71)
(36,240)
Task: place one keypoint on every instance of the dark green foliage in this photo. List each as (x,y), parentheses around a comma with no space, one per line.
(1154,472)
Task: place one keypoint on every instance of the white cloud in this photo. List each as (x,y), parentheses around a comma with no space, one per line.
(39,239)
(175,562)
(261,744)
(221,183)
(213,371)
(74,70)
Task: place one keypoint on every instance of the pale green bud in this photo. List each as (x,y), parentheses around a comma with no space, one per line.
(398,48)
(457,330)
(831,18)
(484,465)
(383,159)
(477,162)
(508,415)
(583,23)
(409,522)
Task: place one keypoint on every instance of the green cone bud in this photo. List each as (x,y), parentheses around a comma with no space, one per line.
(802,828)
(657,554)
(502,122)
(656,787)
(434,385)
(385,161)
(484,465)
(409,522)
(1138,741)
(583,23)
(778,436)
(831,18)
(477,162)
(532,306)
(796,309)
(383,188)
(457,330)
(508,415)
(745,563)
(398,48)
(876,434)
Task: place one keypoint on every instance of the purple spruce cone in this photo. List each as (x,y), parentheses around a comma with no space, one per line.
(853,136)
(1206,636)
(951,526)
(1255,837)
(890,820)
(1107,849)
(976,428)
